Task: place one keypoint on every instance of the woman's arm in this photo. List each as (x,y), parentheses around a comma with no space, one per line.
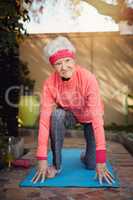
(95,109)
(47,105)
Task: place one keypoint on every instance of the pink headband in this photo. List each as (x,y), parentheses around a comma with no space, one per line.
(61,54)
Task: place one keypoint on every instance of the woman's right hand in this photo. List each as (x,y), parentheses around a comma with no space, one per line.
(41,171)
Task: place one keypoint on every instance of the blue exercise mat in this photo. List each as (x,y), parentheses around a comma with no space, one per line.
(73,173)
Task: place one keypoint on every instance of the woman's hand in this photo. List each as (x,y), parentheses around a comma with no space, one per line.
(41,171)
(104,174)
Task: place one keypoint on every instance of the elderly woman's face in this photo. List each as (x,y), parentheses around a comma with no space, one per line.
(65,67)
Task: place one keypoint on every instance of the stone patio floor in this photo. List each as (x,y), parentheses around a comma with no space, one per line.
(122,163)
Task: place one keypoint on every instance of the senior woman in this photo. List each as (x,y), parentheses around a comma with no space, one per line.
(70,95)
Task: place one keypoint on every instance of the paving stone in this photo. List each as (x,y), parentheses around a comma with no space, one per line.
(14,194)
(33,194)
(122,163)
(2,194)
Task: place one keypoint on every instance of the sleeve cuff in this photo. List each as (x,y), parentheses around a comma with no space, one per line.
(100,156)
(42,158)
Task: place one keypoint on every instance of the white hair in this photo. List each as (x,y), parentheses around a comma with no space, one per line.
(59,43)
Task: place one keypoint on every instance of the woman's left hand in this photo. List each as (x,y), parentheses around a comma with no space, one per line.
(103,173)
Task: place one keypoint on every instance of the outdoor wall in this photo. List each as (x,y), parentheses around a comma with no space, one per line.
(108,55)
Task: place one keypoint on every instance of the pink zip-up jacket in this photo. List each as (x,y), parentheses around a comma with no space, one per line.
(80,95)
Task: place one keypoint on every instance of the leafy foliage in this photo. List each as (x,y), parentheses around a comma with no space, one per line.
(119,10)
(12,33)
